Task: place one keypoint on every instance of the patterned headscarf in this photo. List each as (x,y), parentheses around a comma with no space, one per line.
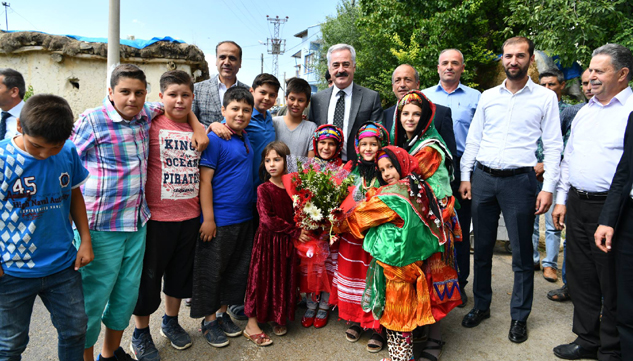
(327,131)
(371,129)
(424,125)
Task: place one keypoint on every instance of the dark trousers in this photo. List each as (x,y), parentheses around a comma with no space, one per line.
(515,196)
(591,280)
(462,249)
(624,277)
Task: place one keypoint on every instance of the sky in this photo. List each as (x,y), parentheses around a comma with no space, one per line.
(199,22)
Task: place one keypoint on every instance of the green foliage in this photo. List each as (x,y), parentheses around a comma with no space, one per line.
(29,92)
(572,29)
(387,33)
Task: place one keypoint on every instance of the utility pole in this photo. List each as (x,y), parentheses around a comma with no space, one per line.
(276,44)
(262,64)
(6,17)
(114,55)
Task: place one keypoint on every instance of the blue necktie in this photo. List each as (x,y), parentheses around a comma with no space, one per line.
(3,124)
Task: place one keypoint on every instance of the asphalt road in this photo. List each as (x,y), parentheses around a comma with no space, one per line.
(548,326)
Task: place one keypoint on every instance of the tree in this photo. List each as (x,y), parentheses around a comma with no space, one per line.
(387,33)
(572,29)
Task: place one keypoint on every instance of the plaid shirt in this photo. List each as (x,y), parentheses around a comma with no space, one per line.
(207,105)
(115,152)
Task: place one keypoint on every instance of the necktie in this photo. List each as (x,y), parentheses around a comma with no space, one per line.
(339,111)
(3,124)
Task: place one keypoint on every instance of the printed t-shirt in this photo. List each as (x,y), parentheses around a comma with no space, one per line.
(36,234)
(173,176)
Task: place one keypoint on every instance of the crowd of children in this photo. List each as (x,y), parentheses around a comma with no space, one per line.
(159,205)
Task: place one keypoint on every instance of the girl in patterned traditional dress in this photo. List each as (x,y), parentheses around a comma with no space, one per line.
(353,261)
(411,281)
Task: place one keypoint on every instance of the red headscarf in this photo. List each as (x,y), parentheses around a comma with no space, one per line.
(404,162)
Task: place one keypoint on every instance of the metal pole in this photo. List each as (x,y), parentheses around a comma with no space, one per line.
(114,55)
(6,17)
(262,72)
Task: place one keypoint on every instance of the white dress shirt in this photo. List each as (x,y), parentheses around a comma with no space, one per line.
(506,127)
(346,120)
(595,145)
(12,121)
(222,89)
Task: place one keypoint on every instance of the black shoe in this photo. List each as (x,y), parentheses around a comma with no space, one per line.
(462,293)
(518,331)
(573,351)
(474,317)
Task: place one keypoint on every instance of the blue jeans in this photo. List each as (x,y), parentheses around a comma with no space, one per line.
(62,295)
(552,238)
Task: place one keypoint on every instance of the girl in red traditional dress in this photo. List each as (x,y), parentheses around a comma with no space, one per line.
(327,143)
(271,294)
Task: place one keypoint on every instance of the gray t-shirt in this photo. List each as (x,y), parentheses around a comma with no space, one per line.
(298,140)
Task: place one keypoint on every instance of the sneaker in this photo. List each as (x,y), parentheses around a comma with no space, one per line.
(119,355)
(237,312)
(227,325)
(213,334)
(142,348)
(178,337)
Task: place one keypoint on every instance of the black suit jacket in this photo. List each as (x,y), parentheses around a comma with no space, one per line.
(622,182)
(365,106)
(443,123)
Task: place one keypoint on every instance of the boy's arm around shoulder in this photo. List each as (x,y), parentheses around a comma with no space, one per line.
(84,133)
(199,138)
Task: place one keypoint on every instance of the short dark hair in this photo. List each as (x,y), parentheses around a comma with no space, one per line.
(230,42)
(519,39)
(13,79)
(178,77)
(555,72)
(282,149)
(298,86)
(238,94)
(48,116)
(127,71)
(265,78)
(327,75)
(621,57)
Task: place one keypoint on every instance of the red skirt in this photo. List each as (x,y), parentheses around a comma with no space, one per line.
(349,282)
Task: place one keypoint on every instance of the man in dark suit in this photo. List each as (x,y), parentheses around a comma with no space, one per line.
(406,78)
(345,104)
(208,94)
(616,219)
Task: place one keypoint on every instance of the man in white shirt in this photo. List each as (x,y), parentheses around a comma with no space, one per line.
(592,154)
(12,90)
(500,147)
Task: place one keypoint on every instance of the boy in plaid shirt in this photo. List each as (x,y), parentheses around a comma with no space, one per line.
(113,143)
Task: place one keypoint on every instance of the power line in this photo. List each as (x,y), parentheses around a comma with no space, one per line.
(25,19)
(247,23)
(251,15)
